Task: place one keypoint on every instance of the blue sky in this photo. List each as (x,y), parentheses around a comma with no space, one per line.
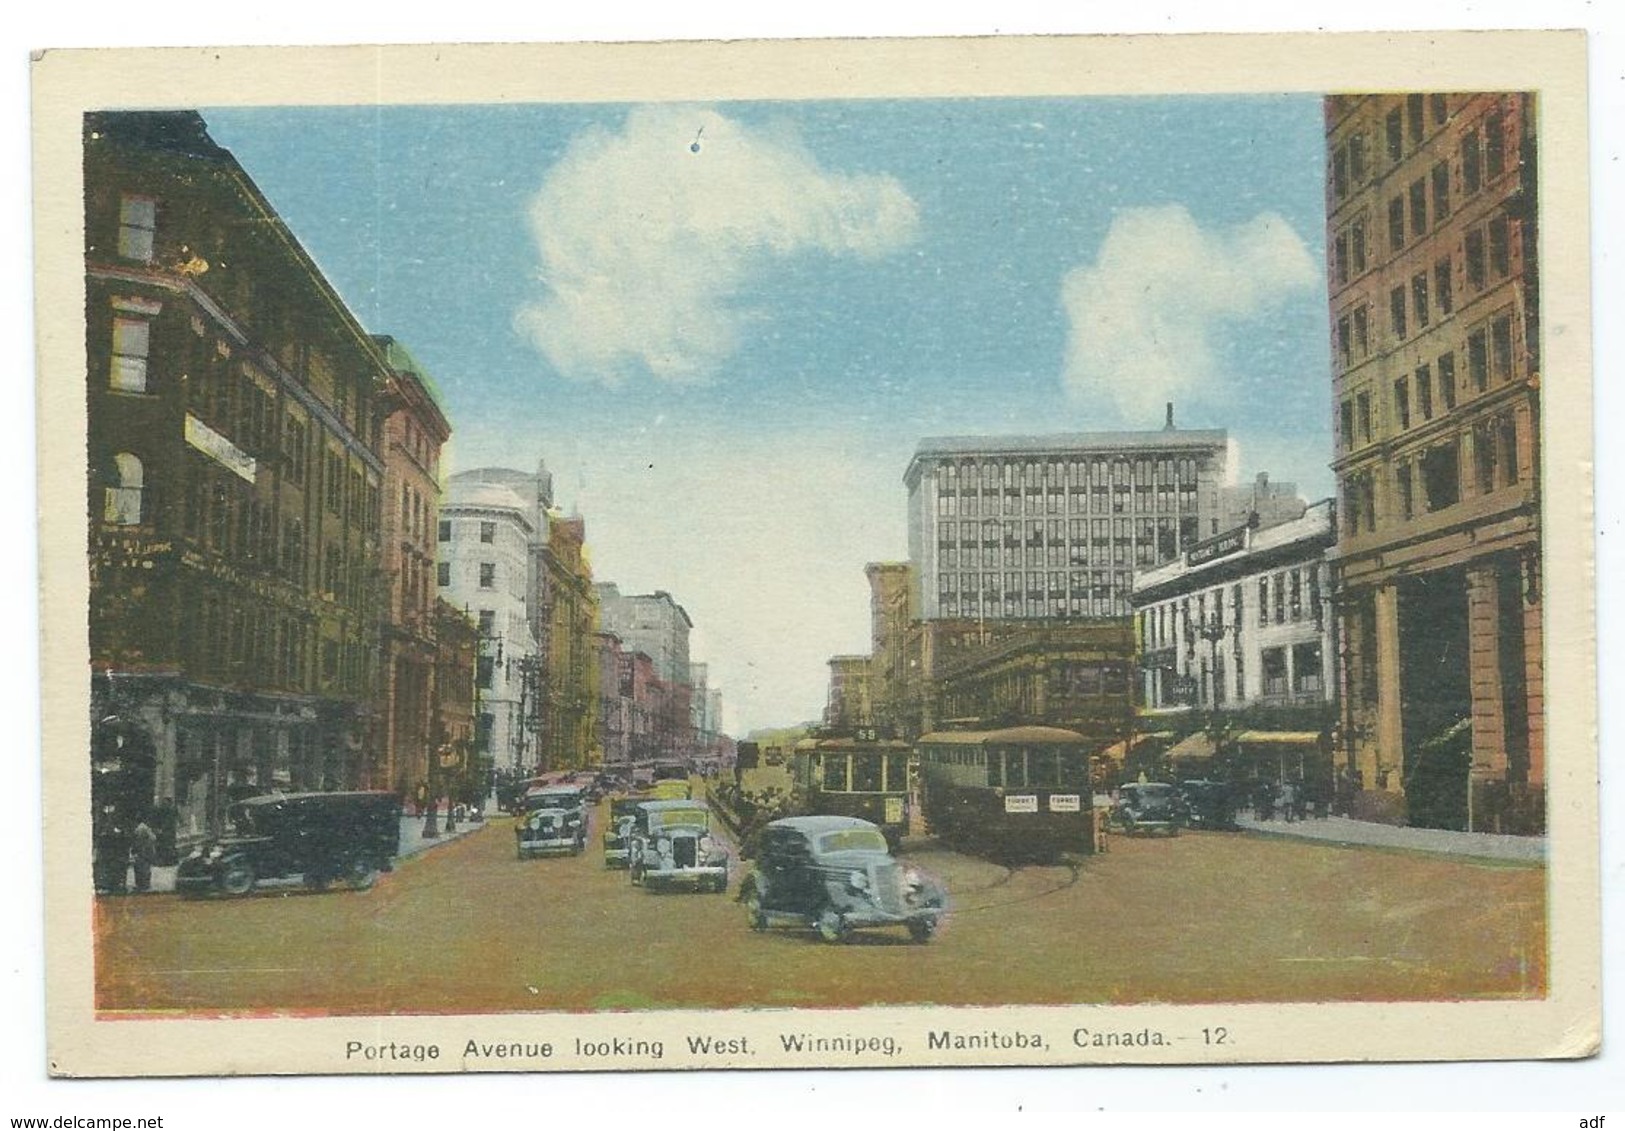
(725,327)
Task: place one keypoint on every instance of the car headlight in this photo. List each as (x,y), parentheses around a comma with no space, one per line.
(857,881)
(913,879)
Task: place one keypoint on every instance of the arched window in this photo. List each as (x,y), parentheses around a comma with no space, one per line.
(123,502)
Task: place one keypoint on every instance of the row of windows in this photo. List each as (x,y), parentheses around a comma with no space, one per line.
(1431,480)
(487,530)
(1098,472)
(1431,388)
(1122,499)
(1284,597)
(1483,150)
(488,577)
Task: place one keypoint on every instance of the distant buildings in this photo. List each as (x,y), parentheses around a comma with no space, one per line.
(1435,304)
(848,707)
(1051,527)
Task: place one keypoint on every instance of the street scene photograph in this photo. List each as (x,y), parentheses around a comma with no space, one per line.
(621,557)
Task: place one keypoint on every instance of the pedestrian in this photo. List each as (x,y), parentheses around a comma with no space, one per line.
(143,850)
(1288,801)
(111,863)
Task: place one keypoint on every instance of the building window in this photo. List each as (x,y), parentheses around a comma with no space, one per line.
(1442,290)
(1395,134)
(1274,669)
(1419,300)
(1295,595)
(1357,244)
(488,575)
(1440,109)
(1362,405)
(1402,402)
(445,530)
(1475,258)
(1500,248)
(488,623)
(131,339)
(486,672)
(1279,595)
(1478,367)
(1424,391)
(1470,168)
(1419,207)
(1340,258)
(1447,380)
(1414,117)
(1396,223)
(1340,173)
(1501,347)
(1441,192)
(1495,146)
(1506,434)
(1484,456)
(443,573)
(1403,489)
(1263,601)
(1362,338)
(122,506)
(1346,419)
(1396,312)
(1306,669)
(137,224)
(1441,476)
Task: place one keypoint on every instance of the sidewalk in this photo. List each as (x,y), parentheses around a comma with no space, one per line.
(1346,830)
(412,843)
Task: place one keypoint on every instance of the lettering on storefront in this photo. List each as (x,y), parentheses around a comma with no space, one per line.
(1224,545)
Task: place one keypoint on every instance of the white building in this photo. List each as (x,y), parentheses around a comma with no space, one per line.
(484,568)
(1241,620)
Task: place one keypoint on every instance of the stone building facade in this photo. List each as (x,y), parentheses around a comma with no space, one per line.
(1435,307)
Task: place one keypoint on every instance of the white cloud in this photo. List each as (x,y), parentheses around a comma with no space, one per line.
(645,243)
(1143,315)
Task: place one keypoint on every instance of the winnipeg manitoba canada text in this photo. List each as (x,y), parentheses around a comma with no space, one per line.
(608,559)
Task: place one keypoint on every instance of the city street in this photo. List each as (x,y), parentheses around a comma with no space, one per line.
(466,927)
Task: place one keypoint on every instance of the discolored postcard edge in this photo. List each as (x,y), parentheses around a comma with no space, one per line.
(1566,1024)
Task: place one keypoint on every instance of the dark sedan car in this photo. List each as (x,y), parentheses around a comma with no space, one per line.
(322,837)
(835,874)
(1149,807)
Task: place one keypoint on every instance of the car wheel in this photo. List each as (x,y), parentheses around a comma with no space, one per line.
(832,926)
(238,878)
(921,930)
(360,875)
(754,913)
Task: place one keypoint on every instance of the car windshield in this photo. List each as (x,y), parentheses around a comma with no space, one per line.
(852,840)
(668,818)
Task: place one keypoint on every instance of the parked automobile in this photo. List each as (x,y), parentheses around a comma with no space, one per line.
(1149,807)
(323,838)
(672,846)
(1208,804)
(835,874)
(618,833)
(543,832)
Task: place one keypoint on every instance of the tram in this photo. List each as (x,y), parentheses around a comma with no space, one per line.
(1020,793)
(855,776)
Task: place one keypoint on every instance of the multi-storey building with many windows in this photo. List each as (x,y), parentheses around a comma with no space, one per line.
(1434,302)
(484,569)
(1054,527)
(234,501)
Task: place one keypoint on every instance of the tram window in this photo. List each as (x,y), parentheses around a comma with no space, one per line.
(1041,768)
(1073,771)
(835,772)
(896,772)
(866,773)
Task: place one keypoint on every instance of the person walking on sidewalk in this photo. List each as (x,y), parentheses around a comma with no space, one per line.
(143,850)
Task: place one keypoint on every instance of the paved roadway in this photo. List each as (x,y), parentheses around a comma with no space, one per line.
(1201,917)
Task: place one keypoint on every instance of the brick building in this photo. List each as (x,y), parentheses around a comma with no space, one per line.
(1435,304)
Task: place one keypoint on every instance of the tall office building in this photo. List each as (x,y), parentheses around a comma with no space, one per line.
(1055,526)
(1434,297)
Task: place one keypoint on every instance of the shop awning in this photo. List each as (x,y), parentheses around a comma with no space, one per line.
(1279,737)
(1193,746)
(1118,751)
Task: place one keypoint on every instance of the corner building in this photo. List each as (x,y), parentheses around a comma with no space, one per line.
(234,494)
(1435,313)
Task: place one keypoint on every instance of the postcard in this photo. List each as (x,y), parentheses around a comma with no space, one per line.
(817,554)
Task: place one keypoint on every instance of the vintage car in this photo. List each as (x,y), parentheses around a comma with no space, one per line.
(618,833)
(1208,804)
(321,838)
(543,832)
(1149,807)
(672,846)
(835,874)
(570,798)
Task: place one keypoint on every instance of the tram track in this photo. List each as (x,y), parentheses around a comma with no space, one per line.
(1074,872)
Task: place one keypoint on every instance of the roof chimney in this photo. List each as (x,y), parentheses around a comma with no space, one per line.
(1169,425)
